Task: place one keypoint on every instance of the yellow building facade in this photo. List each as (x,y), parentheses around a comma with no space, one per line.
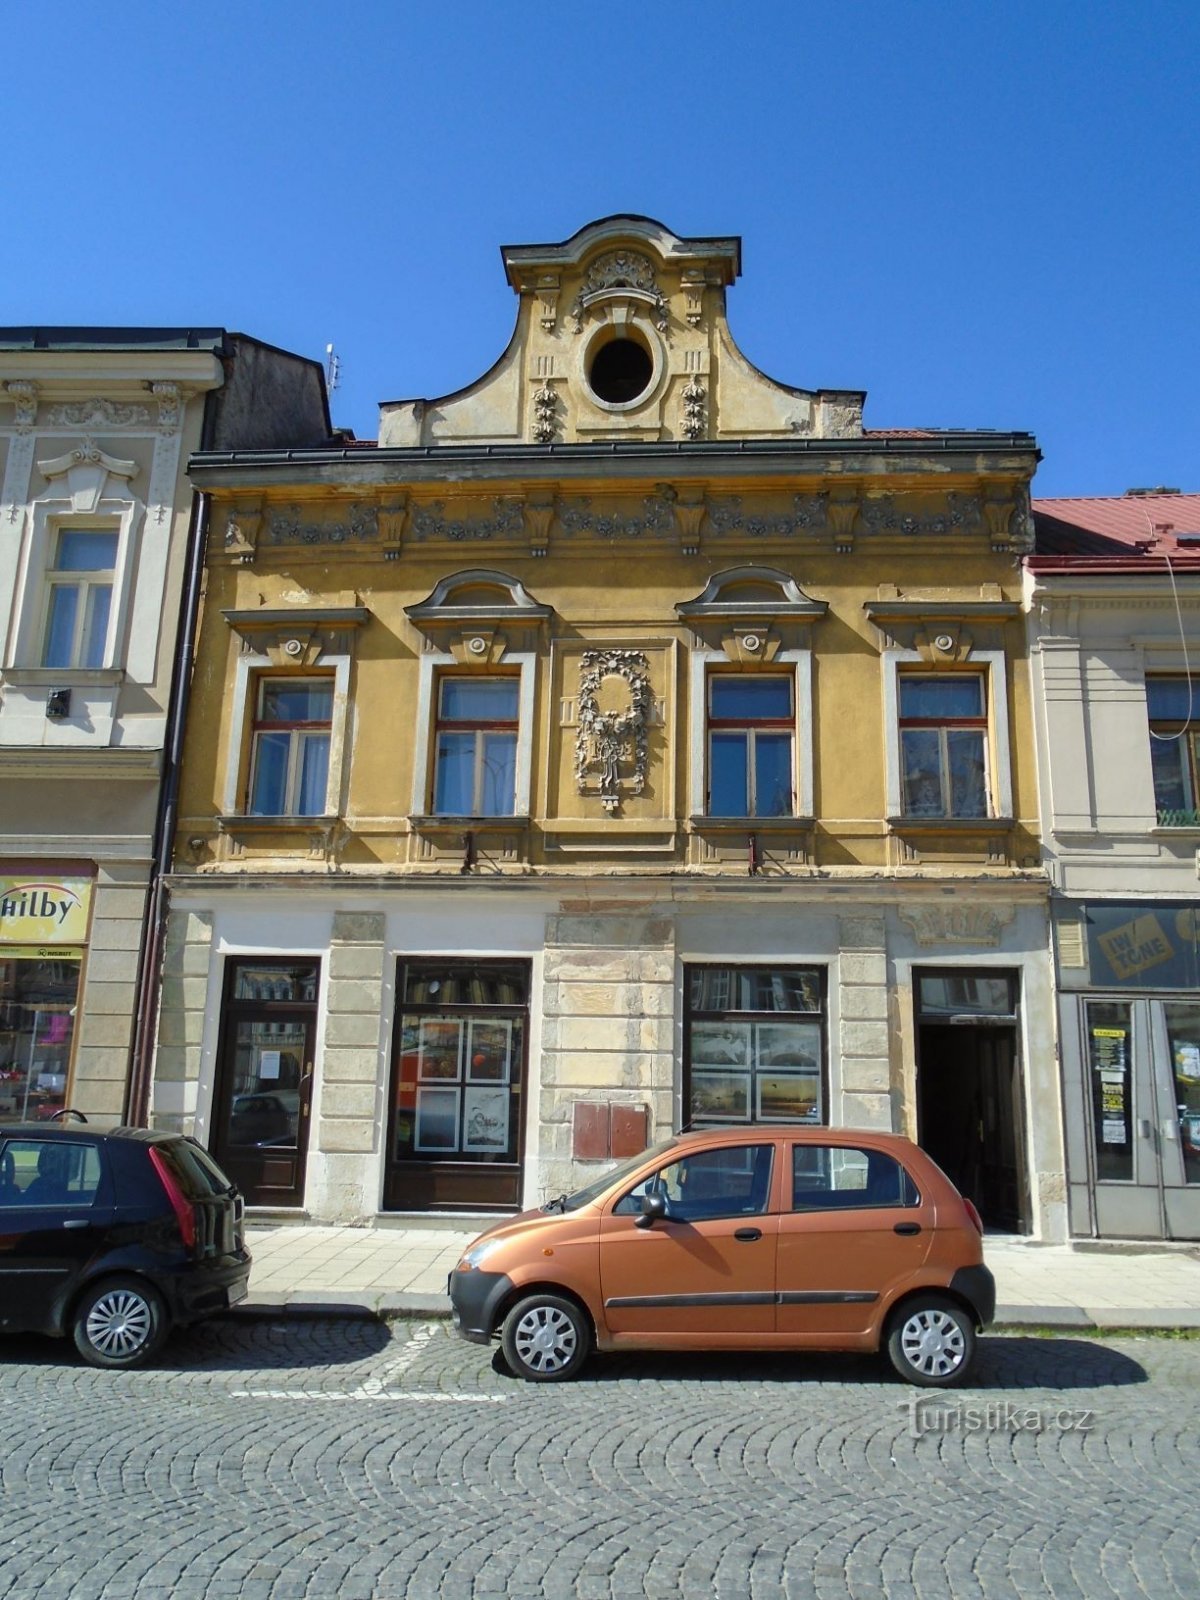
(624,742)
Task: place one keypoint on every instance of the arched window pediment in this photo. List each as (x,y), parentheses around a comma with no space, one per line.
(752,592)
(478,595)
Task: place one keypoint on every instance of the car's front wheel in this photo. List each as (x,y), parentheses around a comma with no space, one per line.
(545,1338)
(120,1323)
(931,1342)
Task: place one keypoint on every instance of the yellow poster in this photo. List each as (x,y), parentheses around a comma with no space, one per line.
(1136,947)
(44,910)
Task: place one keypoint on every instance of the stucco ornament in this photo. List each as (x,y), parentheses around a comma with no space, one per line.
(24,396)
(544,406)
(621,269)
(614,708)
(97,413)
(693,409)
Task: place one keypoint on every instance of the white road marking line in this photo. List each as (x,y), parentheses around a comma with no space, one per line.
(416,1396)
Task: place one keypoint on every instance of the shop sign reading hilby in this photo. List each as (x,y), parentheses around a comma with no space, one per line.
(44,911)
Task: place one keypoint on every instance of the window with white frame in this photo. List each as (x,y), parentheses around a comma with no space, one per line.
(943,744)
(79,590)
(1173,704)
(751,744)
(289,748)
(475,746)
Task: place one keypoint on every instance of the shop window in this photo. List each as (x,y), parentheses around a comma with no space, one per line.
(38,997)
(289,756)
(458,1082)
(943,745)
(1110,1068)
(751,745)
(755,1045)
(475,746)
(1173,704)
(1183,1042)
(79,597)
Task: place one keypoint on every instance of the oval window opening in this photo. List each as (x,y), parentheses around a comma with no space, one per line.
(621,371)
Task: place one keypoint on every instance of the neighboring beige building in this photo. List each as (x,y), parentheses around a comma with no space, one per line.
(96,427)
(624,741)
(1114,603)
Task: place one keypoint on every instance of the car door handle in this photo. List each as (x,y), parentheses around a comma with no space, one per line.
(747,1234)
(76,1222)
(907,1227)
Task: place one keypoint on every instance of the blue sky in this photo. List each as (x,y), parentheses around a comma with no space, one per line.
(986,215)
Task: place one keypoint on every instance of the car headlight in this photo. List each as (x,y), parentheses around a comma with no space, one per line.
(476,1255)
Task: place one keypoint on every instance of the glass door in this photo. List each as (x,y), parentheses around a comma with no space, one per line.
(264,1078)
(1142,1066)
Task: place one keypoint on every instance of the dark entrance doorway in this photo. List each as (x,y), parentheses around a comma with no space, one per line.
(264,1077)
(970,1097)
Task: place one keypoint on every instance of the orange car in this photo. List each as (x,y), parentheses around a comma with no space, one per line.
(751,1238)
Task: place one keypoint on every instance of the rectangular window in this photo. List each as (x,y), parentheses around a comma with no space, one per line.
(79,599)
(755,1045)
(475,752)
(751,738)
(1174,709)
(943,745)
(289,758)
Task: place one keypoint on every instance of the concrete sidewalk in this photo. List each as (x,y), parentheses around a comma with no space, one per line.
(394,1271)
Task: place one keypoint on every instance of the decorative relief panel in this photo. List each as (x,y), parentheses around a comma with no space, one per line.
(359,525)
(97,413)
(545,407)
(614,705)
(881,514)
(431,522)
(957,924)
(656,519)
(808,514)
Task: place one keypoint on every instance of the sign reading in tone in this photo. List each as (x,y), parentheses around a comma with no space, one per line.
(44,910)
(1152,944)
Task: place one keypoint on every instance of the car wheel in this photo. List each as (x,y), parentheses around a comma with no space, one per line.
(545,1338)
(119,1323)
(931,1342)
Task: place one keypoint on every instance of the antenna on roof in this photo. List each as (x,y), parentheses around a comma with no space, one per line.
(333,368)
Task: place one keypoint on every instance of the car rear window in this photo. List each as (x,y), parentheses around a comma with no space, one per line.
(197,1173)
(844,1177)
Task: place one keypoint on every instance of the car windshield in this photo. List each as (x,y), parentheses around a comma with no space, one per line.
(598,1186)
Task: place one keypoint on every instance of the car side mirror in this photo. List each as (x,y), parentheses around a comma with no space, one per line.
(654,1207)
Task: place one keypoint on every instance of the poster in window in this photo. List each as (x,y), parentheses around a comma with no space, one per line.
(789,1097)
(437,1119)
(438,1047)
(723,1096)
(489,1046)
(720,1044)
(485,1120)
(788,1044)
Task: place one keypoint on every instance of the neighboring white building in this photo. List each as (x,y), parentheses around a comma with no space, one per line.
(1114,603)
(99,531)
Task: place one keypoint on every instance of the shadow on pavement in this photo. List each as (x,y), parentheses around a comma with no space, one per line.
(1004,1362)
(227,1344)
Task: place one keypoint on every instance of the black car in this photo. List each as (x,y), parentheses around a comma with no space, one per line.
(114,1237)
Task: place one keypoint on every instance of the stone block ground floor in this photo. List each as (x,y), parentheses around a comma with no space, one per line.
(467,1048)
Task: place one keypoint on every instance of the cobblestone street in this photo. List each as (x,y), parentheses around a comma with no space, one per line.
(352,1461)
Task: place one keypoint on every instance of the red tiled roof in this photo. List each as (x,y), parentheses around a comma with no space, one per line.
(1119,525)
